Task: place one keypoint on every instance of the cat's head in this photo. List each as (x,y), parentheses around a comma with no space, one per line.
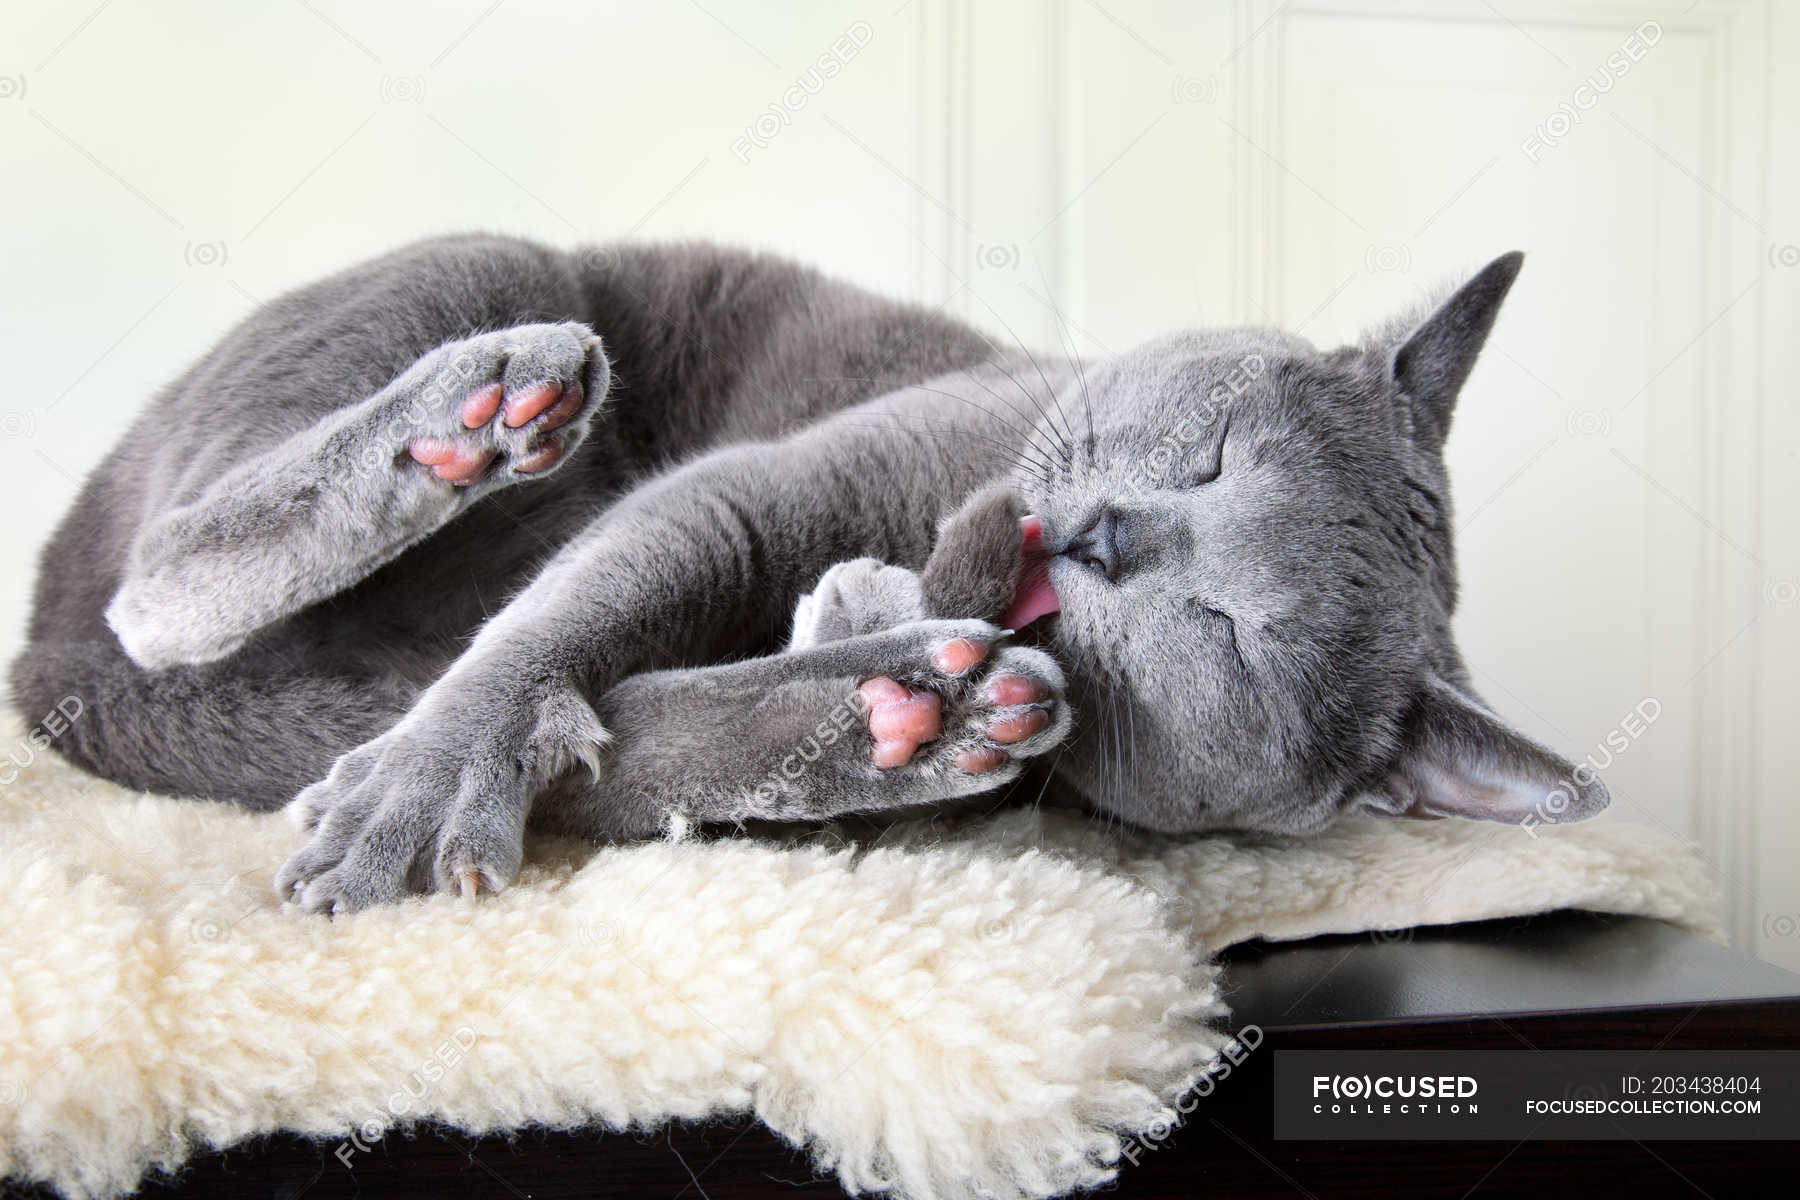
(1251,546)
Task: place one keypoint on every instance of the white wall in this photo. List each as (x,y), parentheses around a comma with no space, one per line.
(1624,459)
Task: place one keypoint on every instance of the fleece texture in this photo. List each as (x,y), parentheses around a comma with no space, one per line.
(984,1007)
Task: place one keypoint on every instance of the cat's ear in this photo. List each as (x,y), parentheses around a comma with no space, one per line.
(1460,760)
(1433,361)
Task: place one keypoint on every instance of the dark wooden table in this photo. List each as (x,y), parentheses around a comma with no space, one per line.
(1567,981)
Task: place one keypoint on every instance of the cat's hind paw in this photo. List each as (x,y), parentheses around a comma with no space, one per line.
(973,712)
(503,406)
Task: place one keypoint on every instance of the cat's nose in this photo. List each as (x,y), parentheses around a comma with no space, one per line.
(1097,546)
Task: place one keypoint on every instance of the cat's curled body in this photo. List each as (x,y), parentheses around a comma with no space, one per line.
(483,532)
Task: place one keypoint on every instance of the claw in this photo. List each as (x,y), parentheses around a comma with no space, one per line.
(470,879)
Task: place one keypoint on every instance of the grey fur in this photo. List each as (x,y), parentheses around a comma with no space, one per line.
(975,557)
(322,510)
(259,595)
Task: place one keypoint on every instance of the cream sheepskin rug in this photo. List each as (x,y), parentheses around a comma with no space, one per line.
(988,1008)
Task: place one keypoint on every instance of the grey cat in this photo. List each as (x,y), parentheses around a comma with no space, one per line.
(616,541)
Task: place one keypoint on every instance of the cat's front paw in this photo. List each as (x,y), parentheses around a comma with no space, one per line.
(438,803)
(863,595)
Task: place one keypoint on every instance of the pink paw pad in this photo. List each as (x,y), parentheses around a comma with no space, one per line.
(978,759)
(900,720)
(563,410)
(449,461)
(1005,691)
(1020,726)
(522,406)
(958,655)
(479,407)
(541,459)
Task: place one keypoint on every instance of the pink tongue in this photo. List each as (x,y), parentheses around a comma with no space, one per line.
(1034,597)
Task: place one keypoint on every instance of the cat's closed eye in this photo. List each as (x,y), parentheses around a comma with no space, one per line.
(1201,609)
(1213,464)
(1216,620)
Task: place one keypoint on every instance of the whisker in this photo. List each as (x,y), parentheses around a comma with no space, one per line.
(1136,761)
(1037,402)
(1062,441)
(1065,435)
(1074,360)
(951,434)
(1042,458)
(1056,448)
(1037,803)
(1032,358)
(1115,761)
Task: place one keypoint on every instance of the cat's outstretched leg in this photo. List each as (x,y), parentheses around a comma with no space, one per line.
(874,707)
(915,715)
(299,522)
